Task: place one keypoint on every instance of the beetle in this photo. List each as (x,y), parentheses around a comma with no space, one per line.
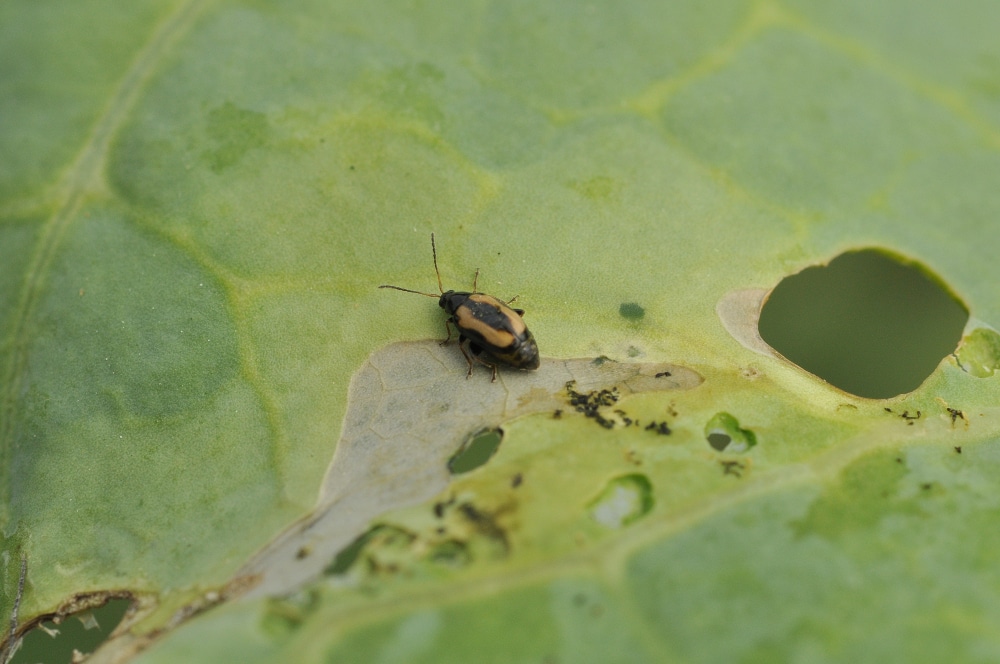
(496,333)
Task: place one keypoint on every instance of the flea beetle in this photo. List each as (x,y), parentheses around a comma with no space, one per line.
(496,334)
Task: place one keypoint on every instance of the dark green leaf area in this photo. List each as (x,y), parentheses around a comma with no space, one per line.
(130,388)
(129,325)
(234,131)
(864,495)
(881,547)
(61,61)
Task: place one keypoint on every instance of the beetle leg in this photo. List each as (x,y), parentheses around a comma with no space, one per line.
(519,312)
(468,359)
(491,366)
(477,354)
(475,281)
(447,326)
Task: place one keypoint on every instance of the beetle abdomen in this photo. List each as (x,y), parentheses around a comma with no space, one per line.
(523,355)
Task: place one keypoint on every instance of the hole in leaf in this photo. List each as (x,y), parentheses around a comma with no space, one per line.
(475,451)
(719,441)
(383,550)
(84,632)
(623,500)
(870,323)
(347,556)
(979,353)
(722,431)
(631,311)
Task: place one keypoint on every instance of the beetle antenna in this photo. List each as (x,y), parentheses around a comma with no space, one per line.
(436,271)
(407,290)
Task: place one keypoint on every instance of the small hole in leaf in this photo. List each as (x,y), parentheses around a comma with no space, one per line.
(870,323)
(84,631)
(719,441)
(979,353)
(631,311)
(475,451)
(623,500)
(383,549)
(723,431)
(347,556)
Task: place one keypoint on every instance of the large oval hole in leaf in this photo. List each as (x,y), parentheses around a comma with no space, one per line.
(867,323)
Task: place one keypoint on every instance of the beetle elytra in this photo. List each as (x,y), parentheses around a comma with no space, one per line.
(494,332)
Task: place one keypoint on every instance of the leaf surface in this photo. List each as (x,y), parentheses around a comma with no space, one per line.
(198,200)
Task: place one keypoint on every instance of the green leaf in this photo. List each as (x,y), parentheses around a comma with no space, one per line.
(205,398)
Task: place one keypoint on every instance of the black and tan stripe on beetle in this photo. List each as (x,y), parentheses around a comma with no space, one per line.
(495,332)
